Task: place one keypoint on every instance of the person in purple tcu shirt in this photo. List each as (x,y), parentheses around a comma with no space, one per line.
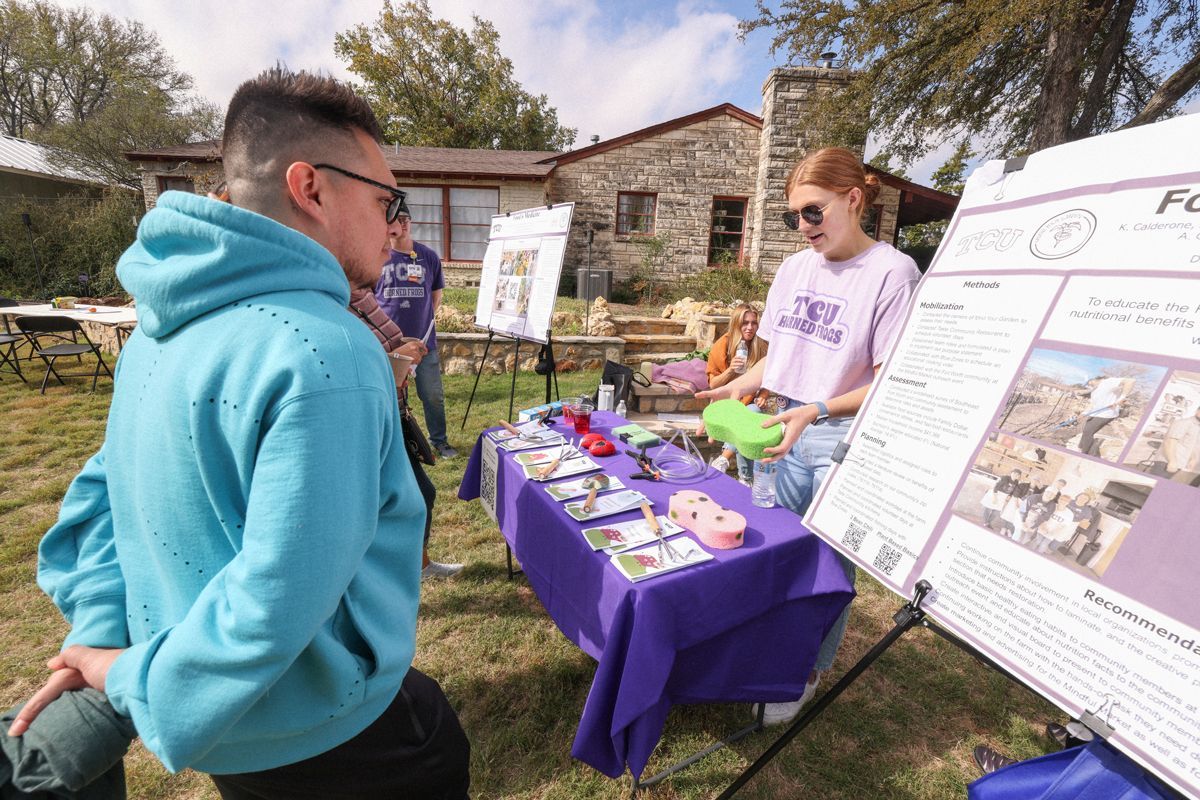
(831,315)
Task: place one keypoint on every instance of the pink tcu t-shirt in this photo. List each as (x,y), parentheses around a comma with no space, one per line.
(831,322)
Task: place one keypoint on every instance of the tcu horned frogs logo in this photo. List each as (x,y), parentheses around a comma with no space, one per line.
(1063,234)
(816,317)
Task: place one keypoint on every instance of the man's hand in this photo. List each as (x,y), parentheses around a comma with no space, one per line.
(794,420)
(77,667)
(413,349)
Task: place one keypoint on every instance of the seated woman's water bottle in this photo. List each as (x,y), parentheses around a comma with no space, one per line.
(743,352)
(762,492)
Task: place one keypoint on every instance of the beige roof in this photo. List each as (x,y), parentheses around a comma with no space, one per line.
(411,161)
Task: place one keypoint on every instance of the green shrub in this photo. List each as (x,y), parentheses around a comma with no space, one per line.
(78,240)
(723,285)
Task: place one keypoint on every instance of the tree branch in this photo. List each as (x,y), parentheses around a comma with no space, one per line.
(1169,93)
(1113,44)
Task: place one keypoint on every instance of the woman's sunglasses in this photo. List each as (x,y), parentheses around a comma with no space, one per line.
(813,215)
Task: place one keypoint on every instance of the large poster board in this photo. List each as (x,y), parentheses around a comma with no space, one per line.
(1032,445)
(521,269)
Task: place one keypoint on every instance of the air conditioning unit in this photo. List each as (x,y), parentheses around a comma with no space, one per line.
(593,283)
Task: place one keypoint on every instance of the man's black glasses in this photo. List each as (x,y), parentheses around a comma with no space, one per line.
(395,208)
(813,215)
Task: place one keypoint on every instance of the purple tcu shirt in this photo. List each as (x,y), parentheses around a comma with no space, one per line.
(830,323)
(405,290)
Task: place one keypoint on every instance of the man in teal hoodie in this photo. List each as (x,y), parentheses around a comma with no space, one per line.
(240,562)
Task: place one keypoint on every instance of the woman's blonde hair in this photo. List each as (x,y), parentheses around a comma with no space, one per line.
(758,348)
(837,170)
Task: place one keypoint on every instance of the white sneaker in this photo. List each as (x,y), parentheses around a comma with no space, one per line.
(435,570)
(720,463)
(783,713)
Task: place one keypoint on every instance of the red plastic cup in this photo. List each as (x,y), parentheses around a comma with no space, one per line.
(582,415)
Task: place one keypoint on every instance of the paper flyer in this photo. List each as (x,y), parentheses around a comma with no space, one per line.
(608,504)
(521,270)
(569,490)
(653,560)
(539,458)
(621,536)
(1031,447)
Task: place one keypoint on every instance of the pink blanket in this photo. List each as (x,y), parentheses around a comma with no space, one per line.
(684,377)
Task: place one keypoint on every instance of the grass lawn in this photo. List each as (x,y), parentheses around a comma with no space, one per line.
(905,730)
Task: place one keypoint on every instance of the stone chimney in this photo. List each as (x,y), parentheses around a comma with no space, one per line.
(789,131)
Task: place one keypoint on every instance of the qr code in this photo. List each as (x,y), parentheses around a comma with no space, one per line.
(855,534)
(487,487)
(886,559)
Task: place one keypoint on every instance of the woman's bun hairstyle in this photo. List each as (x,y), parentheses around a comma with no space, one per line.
(838,170)
(871,190)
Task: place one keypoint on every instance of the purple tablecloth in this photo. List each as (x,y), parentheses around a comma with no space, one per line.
(743,627)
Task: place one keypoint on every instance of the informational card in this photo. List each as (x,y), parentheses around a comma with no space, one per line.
(608,504)
(540,458)
(653,560)
(575,465)
(620,536)
(521,269)
(580,487)
(1032,445)
(529,441)
(530,429)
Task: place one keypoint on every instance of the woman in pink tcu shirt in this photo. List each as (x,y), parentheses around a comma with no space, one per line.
(831,315)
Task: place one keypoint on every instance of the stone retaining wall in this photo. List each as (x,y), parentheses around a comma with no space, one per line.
(105,336)
(460,353)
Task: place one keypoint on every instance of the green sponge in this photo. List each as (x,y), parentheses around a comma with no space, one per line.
(730,421)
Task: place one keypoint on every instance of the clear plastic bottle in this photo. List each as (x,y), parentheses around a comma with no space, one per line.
(743,350)
(621,409)
(762,492)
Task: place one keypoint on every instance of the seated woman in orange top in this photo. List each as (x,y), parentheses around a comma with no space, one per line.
(726,361)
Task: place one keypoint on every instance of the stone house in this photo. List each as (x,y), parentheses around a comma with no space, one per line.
(708,187)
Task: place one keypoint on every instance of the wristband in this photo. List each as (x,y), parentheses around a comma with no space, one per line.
(822,412)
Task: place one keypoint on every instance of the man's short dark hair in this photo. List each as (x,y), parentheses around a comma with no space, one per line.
(292,115)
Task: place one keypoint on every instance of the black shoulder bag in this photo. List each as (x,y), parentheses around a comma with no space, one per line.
(414,437)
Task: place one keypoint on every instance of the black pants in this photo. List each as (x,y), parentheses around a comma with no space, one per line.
(1092,426)
(416,749)
(428,493)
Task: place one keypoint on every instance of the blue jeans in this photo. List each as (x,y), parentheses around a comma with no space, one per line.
(429,389)
(800,474)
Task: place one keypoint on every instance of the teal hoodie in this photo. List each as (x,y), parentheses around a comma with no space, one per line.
(251,528)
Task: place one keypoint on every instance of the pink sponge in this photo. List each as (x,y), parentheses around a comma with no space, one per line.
(717,527)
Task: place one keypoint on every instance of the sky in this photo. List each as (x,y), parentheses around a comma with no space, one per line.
(608,66)
(1075,368)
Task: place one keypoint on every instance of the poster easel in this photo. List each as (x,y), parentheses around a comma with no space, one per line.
(518,284)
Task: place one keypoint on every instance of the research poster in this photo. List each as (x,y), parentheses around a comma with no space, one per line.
(521,268)
(1031,447)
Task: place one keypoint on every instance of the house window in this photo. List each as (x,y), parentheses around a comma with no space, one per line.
(635,213)
(871,221)
(166,184)
(728,231)
(453,221)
